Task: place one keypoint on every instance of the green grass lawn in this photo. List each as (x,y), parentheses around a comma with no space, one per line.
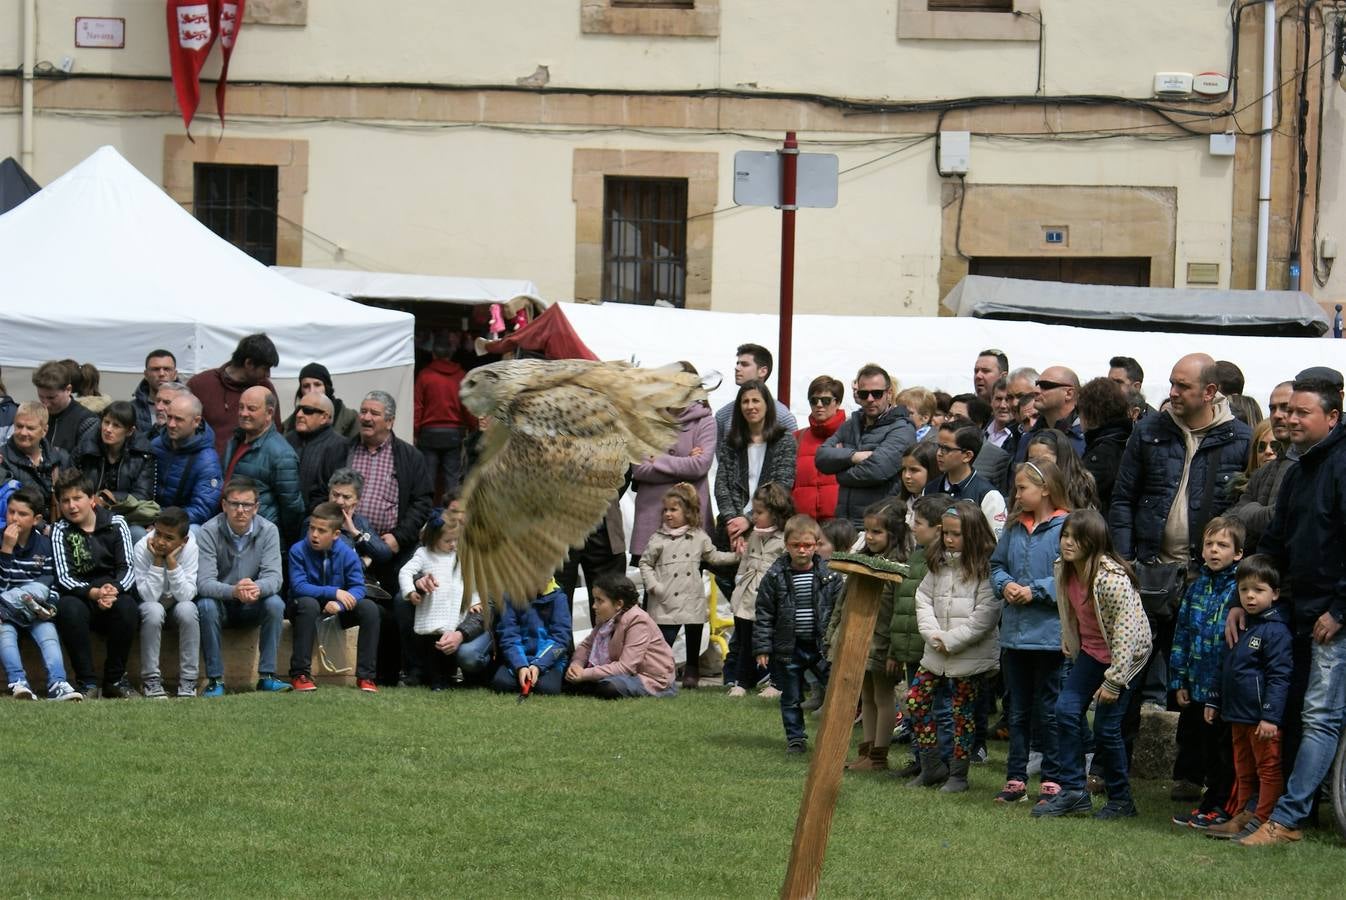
(470,794)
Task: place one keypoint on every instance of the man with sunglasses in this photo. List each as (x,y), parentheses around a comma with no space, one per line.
(1058,391)
(321,449)
(865,453)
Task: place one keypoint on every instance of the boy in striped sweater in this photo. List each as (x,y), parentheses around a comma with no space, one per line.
(28,601)
(794,602)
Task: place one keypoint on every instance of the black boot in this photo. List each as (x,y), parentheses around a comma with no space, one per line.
(933,770)
(912,768)
(957,782)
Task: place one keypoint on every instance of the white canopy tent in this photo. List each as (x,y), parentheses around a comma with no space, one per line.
(102,266)
(356,285)
(933,352)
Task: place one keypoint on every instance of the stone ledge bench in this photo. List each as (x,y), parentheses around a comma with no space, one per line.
(238,646)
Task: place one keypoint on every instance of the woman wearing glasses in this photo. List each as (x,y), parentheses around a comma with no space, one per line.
(815,493)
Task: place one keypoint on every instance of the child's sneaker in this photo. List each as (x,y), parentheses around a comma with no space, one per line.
(366,685)
(1065,803)
(186,687)
(770,692)
(62,690)
(214,688)
(1185,818)
(1013,792)
(1048,791)
(302,684)
(270,684)
(737,691)
(1117,809)
(22,691)
(89,691)
(1208,819)
(153,688)
(120,689)
(798,745)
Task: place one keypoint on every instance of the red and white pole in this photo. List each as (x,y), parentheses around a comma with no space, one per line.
(789,172)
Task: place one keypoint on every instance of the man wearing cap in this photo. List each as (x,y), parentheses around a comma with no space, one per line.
(321,450)
(315,377)
(1306,538)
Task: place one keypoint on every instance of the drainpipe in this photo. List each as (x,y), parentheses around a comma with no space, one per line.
(1268,122)
(29,61)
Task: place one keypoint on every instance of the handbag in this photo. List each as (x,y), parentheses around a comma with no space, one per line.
(1160,587)
(137,512)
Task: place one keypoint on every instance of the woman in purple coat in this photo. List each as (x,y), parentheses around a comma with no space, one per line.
(688,460)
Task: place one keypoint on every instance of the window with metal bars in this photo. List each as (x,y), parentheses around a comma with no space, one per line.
(239,204)
(645,240)
(970,5)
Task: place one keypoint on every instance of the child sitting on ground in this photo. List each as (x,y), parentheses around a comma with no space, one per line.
(772,507)
(534,644)
(886,536)
(27,601)
(1205,750)
(449,634)
(793,604)
(670,567)
(1251,695)
(326,578)
(957,612)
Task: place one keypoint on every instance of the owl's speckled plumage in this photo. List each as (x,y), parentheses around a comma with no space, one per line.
(563,434)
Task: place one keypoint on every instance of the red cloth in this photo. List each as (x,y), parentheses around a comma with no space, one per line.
(191,34)
(219,397)
(815,494)
(231,20)
(550,334)
(437,404)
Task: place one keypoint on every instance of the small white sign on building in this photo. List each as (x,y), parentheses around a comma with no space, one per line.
(757,177)
(100,32)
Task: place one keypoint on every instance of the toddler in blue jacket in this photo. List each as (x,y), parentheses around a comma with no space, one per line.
(1251,697)
(327,578)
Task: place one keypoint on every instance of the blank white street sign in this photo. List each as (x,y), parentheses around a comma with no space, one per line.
(757,177)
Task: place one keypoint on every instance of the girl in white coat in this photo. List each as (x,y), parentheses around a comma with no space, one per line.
(957,612)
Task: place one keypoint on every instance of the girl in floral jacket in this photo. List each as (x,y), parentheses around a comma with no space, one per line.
(1105,631)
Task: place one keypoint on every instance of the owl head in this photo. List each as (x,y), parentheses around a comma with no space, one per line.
(486,388)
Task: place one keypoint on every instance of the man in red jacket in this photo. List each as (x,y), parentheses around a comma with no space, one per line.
(219,389)
(440,422)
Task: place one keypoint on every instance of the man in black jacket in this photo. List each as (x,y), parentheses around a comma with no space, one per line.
(396,502)
(1307,539)
(321,449)
(866,452)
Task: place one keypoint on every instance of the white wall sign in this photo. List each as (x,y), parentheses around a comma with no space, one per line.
(100,32)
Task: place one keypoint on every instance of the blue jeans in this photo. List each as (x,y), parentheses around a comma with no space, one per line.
(268,612)
(475,655)
(788,676)
(44,635)
(1034,681)
(1072,724)
(1324,707)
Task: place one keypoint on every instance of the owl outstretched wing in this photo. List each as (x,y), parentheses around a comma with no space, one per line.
(553,461)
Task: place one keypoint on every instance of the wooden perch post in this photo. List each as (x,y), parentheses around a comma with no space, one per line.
(863,588)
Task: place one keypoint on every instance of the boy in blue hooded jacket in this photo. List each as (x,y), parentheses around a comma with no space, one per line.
(535,644)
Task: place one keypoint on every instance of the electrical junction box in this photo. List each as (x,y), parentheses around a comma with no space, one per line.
(1211,84)
(1172,84)
(1222,144)
(955,151)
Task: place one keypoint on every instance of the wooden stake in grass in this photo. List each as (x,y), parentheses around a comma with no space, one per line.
(867,575)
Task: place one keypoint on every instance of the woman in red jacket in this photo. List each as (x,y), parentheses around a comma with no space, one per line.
(815,494)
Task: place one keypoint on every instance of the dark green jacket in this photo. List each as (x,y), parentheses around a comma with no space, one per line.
(905,644)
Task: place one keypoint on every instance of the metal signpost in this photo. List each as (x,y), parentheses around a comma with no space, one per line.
(787,180)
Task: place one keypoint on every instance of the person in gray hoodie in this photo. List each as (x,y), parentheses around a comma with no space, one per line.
(239,580)
(865,453)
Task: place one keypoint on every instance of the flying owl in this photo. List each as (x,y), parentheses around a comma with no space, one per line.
(561,437)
